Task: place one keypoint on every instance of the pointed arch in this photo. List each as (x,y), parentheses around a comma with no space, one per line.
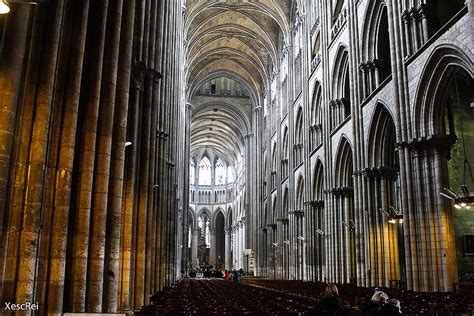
(316,119)
(343,167)
(318,177)
(274,209)
(299,201)
(341,104)
(427,112)
(214,215)
(299,138)
(376,52)
(382,139)
(285,204)
(299,127)
(229,218)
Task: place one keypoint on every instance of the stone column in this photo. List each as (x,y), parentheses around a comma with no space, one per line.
(212,246)
(12,66)
(90,108)
(116,194)
(64,170)
(228,255)
(194,246)
(95,276)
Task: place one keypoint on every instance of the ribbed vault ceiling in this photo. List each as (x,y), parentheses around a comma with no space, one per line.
(239,40)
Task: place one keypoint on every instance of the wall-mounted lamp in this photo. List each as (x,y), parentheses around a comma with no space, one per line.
(287,242)
(275,244)
(349,224)
(319,231)
(393,215)
(460,202)
(128,144)
(4,7)
(301,238)
(396,218)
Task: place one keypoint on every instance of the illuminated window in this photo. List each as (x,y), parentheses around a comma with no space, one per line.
(205,171)
(230,174)
(220,172)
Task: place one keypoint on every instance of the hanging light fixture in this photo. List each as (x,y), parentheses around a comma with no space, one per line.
(464,199)
(4,7)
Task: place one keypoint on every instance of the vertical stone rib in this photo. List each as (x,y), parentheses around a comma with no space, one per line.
(65,159)
(142,206)
(12,70)
(33,207)
(95,277)
(90,96)
(116,196)
(151,154)
(129,200)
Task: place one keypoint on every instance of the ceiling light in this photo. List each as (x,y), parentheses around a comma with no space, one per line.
(4,8)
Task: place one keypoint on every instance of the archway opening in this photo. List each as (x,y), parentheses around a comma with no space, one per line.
(220,240)
(204,240)
(457,101)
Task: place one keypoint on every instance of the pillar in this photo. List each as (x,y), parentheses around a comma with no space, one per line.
(228,255)
(212,246)
(194,246)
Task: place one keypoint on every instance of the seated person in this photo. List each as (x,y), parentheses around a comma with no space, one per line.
(392,308)
(331,302)
(375,305)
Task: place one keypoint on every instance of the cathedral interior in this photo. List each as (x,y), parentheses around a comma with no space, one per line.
(302,142)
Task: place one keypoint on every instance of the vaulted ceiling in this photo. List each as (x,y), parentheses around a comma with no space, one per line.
(236,39)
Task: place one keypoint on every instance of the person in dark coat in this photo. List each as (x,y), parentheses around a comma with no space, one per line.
(331,302)
(375,306)
(392,308)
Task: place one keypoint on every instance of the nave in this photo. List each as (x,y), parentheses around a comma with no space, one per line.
(263,296)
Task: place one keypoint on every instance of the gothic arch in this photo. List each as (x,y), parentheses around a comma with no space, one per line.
(285,143)
(214,215)
(316,110)
(376,48)
(316,127)
(318,177)
(341,86)
(228,217)
(337,6)
(192,222)
(381,138)
(204,210)
(343,170)
(381,185)
(274,208)
(427,113)
(299,200)
(285,204)
(299,126)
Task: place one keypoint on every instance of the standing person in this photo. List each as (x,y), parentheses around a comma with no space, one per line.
(331,302)
(226,275)
(236,276)
(375,306)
